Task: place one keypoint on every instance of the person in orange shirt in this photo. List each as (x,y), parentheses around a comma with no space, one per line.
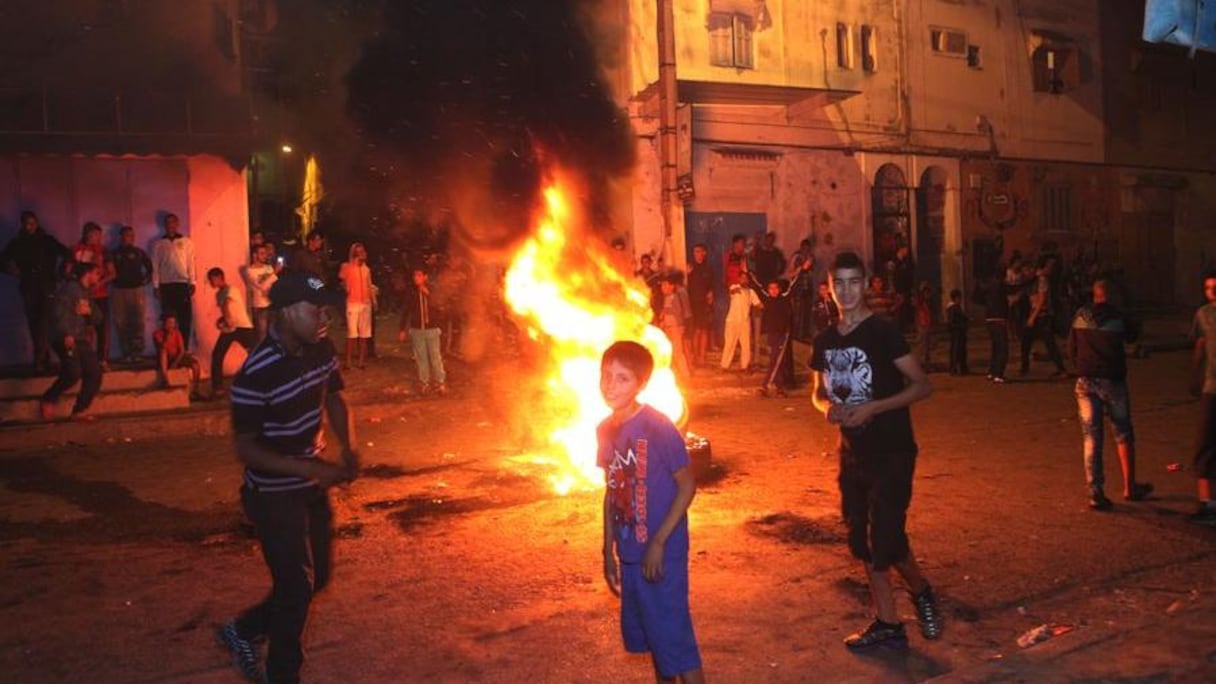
(356,278)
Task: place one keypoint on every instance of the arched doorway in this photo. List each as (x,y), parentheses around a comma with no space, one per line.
(931,227)
(891,216)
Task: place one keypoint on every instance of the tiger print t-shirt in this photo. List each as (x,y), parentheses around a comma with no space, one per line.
(860,367)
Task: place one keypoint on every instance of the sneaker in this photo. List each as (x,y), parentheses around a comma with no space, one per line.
(998,380)
(878,634)
(441,389)
(928,615)
(1206,515)
(1139,491)
(1099,502)
(244,653)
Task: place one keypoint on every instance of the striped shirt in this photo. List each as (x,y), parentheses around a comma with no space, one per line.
(281,399)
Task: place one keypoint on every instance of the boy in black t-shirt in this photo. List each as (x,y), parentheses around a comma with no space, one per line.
(865,380)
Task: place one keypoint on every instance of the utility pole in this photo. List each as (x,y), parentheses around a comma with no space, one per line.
(670,203)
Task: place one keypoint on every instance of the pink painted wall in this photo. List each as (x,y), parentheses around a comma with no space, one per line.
(207,194)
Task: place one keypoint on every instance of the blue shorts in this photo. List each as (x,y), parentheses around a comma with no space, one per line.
(655,617)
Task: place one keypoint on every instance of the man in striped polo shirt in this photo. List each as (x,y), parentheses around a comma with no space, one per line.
(277,402)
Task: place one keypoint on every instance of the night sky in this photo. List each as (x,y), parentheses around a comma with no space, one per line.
(460,97)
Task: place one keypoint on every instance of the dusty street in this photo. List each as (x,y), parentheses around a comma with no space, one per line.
(122,547)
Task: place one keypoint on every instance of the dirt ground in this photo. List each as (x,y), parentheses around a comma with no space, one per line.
(122,548)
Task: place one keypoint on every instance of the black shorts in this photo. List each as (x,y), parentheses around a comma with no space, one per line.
(874,495)
(1205,444)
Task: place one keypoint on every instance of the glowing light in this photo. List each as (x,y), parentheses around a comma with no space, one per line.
(574,303)
(287,149)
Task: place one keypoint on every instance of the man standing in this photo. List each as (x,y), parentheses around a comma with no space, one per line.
(259,277)
(701,299)
(737,330)
(310,259)
(72,337)
(1204,332)
(996,319)
(865,380)
(1095,343)
(420,322)
(35,257)
(132,273)
(173,275)
(1039,323)
(279,437)
(234,326)
(356,279)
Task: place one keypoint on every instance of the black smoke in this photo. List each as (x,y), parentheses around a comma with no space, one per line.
(465,102)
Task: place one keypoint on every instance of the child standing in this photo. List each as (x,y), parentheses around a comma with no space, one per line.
(649,488)
(956,323)
(674,314)
(776,322)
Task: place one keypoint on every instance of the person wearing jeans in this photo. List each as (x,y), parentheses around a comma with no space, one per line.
(72,340)
(420,322)
(1095,343)
(132,273)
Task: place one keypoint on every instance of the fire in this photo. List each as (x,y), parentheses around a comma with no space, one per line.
(575,304)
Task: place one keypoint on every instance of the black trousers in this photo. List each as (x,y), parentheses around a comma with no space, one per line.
(38,304)
(780,362)
(958,351)
(101,327)
(998,334)
(176,297)
(1041,330)
(295,531)
(246,337)
(76,365)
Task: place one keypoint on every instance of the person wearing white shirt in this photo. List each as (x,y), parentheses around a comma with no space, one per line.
(259,276)
(234,325)
(173,275)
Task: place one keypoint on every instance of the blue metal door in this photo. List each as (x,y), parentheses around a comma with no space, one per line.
(715,230)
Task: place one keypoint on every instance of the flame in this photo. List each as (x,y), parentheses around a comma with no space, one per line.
(575,303)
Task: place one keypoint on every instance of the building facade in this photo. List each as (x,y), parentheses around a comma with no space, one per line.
(963,130)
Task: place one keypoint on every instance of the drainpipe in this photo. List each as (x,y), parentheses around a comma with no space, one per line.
(673,223)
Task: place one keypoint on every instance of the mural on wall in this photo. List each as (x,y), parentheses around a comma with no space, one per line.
(1000,207)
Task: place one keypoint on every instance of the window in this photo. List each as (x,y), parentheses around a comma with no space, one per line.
(974,58)
(869,48)
(844,46)
(1057,209)
(948,42)
(730,40)
(1056,68)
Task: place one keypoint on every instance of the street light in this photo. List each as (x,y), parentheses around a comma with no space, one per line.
(286,148)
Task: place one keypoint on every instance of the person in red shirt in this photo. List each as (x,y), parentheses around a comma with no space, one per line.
(171,353)
(90,251)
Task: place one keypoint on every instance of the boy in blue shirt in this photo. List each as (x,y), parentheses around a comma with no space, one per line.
(649,487)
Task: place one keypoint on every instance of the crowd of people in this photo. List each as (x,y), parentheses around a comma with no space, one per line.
(74,298)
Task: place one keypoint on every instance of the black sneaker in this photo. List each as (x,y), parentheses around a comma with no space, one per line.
(878,634)
(1140,491)
(928,615)
(1099,502)
(244,652)
(1206,515)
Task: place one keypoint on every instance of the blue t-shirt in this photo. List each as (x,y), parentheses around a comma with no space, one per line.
(639,459)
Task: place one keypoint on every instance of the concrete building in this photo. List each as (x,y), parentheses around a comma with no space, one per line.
(964,130)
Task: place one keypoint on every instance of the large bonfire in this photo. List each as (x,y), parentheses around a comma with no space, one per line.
(563,286)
